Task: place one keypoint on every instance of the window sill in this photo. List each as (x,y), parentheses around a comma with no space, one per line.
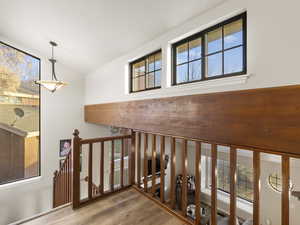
(242,204)
(201,85)
(20,182)
(239,79)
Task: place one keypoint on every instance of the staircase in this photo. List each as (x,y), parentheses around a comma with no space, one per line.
(62,183)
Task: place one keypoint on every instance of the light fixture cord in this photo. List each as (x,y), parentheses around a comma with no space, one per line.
(53,61)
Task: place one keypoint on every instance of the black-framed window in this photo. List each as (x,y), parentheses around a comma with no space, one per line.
(19,115)
(145,72)
(216,52)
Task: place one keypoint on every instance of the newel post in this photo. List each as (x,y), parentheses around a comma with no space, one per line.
(76,169)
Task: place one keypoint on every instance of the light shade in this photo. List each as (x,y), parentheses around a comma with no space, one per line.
(51,85)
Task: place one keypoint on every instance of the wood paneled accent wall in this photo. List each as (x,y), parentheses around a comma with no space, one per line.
(267,118)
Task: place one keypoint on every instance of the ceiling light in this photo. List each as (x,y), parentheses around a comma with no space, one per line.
(54,84)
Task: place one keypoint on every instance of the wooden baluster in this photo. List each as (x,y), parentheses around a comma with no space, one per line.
(132,156)
(102,168)
(54,189)
(65,181)
(67,178)
(256,188)
(232,186)
(285,206)
(173,179)
(69,185)
(198,182)
(162,169)
(153,166)
(76,169)
(213,185)
(112,166)
(59,188)
(62,185)
(122,164)
(138,149)
(90,172)
(71,173)
(184,177)
(145,162)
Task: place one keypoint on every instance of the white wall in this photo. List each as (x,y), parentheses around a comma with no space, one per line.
(61,112)
(273,44)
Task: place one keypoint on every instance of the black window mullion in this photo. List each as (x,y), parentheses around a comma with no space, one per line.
(188,61)
(223,50)
(244,29)
(174,66)
(154,72)
(203,41)
(145,60)
(131,78)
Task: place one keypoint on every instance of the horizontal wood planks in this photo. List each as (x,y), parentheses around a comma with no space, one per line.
(265,118)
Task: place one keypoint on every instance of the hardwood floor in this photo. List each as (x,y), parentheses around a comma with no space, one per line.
(125,208)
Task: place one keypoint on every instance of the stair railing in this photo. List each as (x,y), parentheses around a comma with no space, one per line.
(78,143)
(62,183)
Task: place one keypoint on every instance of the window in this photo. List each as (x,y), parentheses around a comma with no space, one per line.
(145,73)
(19,115)
(275,182)
(216,52)
(244,183)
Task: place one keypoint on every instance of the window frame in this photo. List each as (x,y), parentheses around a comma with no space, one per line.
(203,57)
(246,184)
(275,187)
(39,174)
(144,58)
(208,181)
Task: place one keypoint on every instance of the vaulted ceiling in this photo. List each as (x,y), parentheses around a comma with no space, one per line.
(93,32)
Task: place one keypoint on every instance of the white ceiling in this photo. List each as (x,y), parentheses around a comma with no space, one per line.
(92,32)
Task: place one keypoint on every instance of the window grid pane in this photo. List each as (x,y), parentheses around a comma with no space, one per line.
(145,71)
(244,181)
(222,51)
(189,67)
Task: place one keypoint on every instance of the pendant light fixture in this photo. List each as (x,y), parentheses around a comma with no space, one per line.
(54,84)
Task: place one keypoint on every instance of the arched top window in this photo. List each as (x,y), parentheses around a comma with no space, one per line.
(275,182)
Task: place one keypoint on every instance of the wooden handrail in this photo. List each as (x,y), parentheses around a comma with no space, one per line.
(102,139)
(254,149)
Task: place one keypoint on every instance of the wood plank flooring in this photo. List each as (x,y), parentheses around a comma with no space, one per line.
(125,208)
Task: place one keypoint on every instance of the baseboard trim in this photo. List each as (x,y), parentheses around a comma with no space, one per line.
(40,215)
